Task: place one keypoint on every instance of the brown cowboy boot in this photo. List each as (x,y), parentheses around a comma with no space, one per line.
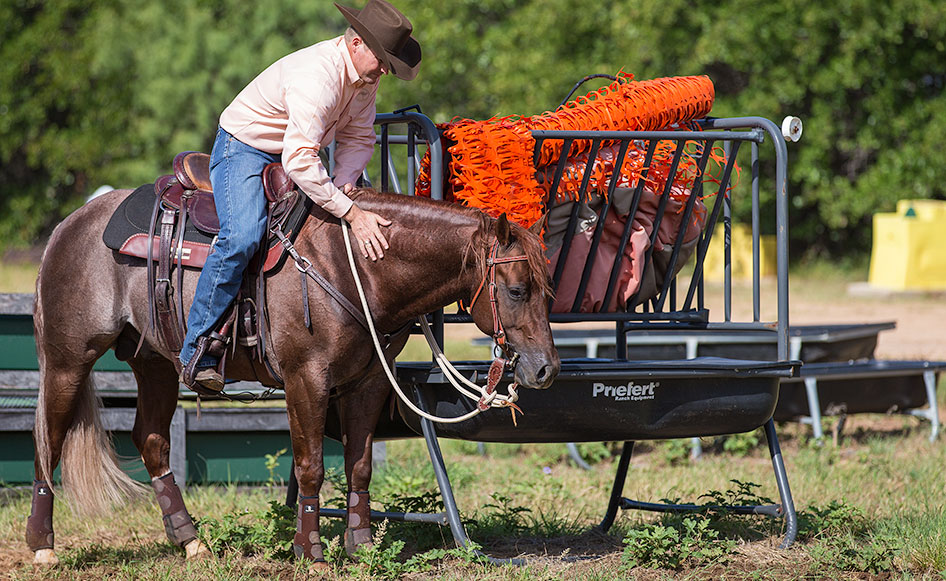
(209,379)
(205,381)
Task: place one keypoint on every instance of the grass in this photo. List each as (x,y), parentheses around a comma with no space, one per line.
(457,346)
(872,505)
(17,277)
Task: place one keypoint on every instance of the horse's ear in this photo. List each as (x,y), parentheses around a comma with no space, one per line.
(539,225)
(503,234)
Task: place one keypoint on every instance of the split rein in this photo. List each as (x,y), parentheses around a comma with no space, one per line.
(485,396)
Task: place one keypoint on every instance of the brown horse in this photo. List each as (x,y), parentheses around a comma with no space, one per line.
(90,298)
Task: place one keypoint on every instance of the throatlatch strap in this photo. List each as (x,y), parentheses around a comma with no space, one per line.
(177,522)
(307,544)
(39,525)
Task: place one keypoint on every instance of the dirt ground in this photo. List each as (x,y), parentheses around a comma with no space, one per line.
(920,320)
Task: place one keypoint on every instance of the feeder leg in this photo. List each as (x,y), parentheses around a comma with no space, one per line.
(446,490)
(696,449)
(617,489)
(443,481)
(929,377)
(576,456)
(781,480)
(814,406)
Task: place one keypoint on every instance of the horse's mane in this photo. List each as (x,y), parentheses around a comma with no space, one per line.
(478,246)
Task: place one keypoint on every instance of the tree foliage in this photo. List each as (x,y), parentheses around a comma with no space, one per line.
(106,91)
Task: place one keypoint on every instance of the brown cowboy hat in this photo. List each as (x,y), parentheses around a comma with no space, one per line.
(387,33)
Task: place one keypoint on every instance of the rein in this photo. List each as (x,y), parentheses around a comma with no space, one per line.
(488,396)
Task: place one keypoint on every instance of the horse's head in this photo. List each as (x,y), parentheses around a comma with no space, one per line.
(510,301)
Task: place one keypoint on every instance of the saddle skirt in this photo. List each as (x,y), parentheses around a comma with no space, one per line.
(189,189)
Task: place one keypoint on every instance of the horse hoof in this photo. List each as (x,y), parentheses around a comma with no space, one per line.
(195,549)
(319,567)
(45,557)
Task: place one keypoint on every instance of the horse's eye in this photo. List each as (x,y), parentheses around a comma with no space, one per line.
(516,292)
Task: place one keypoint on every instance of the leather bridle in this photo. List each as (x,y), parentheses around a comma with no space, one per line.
(489,281)
(499,364)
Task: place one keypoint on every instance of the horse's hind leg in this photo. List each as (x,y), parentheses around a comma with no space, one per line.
(157,400)
(77,316)
(61,393)
(68,427)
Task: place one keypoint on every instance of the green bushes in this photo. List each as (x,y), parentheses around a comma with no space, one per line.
(99,92)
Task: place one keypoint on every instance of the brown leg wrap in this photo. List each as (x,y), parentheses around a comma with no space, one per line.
(177,522)
(307,544)
(39,525)
(359,520)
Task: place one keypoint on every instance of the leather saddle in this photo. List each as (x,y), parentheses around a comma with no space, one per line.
(192,174)
(188,191)
(173,223)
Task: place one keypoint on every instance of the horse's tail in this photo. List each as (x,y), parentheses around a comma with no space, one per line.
(91,476)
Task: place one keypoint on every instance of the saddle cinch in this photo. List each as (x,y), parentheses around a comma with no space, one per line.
(178,216)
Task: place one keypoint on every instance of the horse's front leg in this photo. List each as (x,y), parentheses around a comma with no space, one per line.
(157,400)
(306,405)
(359,410)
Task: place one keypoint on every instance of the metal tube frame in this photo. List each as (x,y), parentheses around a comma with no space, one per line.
(785,509)
(714,130)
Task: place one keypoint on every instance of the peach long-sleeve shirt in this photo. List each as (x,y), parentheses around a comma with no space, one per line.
(302,101)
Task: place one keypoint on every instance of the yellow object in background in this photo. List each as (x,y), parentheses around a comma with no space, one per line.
(909,247)
(740,256)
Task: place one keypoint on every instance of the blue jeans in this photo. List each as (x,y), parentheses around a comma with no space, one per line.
(236,172)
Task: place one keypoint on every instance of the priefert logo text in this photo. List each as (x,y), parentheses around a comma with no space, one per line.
(630,392)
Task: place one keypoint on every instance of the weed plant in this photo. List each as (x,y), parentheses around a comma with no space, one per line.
(267,533)
(687,541)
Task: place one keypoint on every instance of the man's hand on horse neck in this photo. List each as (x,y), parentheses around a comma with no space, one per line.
(367,229)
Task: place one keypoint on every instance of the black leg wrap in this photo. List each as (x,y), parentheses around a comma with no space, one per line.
(307,544)
(177,522)
(358,531)
(39,525)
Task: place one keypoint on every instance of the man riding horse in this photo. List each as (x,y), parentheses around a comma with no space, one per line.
(301,102)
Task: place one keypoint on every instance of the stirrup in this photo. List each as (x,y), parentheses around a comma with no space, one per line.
(204,381)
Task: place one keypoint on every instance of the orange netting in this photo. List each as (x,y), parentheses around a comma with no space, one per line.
(491,163)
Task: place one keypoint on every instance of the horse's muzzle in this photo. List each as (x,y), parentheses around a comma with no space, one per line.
(537,370)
